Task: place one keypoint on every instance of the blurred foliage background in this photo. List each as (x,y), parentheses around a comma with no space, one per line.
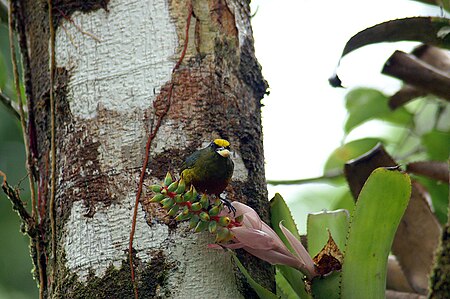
(16,280)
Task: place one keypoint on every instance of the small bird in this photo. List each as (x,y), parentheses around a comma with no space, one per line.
(209,169)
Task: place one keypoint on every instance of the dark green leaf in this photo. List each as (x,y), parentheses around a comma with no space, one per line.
(428,30)
(259,289)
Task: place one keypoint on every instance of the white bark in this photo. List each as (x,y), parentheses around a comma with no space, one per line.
(122,73)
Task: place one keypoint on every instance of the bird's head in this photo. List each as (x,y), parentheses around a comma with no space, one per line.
(221,146)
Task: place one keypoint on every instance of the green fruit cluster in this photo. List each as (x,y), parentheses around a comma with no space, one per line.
(185,204)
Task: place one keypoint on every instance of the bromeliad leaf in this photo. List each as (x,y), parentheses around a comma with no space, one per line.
(380,206)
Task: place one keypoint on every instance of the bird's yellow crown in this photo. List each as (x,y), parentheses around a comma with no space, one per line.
(221,142)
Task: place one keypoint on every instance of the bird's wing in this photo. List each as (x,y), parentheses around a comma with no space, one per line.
(190,161)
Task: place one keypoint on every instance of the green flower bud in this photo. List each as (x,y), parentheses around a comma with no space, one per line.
(214,211)
(182,217)
(172,187)
(201,226)
(217,202)
(204,216)
(224,221)
(204,201)
(157,197)
(167,203)
(194,193)
(212,227)
(178,198)
(188,195)
(193,222)
(181,187)
(186,210)
(168,179)
(173,210)
(156,188)
(223,234)
(196,206)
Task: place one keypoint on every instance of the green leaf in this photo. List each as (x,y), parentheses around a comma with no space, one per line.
(437,145)
(279,211)
(348,151)
(284,289)
(337,222)
(364,104)
(439,197)
(295,280)
(428,30)
(326,287)
(318,225)
(259,289)
(379,209)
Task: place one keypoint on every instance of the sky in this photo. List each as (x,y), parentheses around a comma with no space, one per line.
(298,44)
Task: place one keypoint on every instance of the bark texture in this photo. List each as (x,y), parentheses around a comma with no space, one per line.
(114,72)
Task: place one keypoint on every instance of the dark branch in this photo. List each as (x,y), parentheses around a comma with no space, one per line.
(10,105)
(326,177)
(18,206)
(419,74)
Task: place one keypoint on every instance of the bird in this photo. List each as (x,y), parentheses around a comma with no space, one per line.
(209,169)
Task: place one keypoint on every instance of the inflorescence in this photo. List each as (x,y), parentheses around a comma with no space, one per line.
(202,212)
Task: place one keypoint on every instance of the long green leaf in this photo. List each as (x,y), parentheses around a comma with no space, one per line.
(337,222)
(279,211)
(262,292)
(379,209)
(295,280)
(284,288)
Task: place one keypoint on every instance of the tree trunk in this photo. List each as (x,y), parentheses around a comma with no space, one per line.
(116,74)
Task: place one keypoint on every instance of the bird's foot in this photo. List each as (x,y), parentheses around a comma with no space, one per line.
(229,206)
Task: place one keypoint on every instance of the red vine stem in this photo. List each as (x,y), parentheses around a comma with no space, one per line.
(147,151)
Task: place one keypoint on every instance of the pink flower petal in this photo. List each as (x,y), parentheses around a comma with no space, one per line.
(298,247)
(274,257)
(267,229)
(251,218)
(253,238)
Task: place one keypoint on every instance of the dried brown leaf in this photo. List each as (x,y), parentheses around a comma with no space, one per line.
(330,258)
(416,240)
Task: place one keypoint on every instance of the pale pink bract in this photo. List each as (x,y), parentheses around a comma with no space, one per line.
(260,240)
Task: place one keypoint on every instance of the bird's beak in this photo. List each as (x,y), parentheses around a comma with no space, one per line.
(224,153)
